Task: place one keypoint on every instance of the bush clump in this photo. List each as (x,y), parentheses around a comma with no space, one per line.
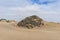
(30,22)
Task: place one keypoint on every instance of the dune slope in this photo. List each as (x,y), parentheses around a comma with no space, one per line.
(9,31)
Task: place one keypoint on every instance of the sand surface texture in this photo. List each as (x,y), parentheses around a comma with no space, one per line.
(50,31)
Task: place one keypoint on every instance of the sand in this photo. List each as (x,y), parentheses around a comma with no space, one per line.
(10,31)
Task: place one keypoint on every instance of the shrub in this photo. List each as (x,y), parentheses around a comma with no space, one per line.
(30,22)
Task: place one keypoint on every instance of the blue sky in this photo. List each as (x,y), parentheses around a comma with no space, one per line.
(49,10)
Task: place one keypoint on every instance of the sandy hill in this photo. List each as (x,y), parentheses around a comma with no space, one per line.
(10,31)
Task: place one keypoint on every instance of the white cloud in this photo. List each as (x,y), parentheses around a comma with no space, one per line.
(26,8)
(47,12)
(42,9)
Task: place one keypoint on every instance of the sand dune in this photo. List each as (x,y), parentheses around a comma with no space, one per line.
(10,31)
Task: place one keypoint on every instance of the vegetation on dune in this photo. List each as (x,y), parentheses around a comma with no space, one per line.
(28,22)
(31,22)
(5,20)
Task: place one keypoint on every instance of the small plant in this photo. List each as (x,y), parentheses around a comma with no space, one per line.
(2,19)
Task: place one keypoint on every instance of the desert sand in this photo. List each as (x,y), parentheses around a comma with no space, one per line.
(10,31)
